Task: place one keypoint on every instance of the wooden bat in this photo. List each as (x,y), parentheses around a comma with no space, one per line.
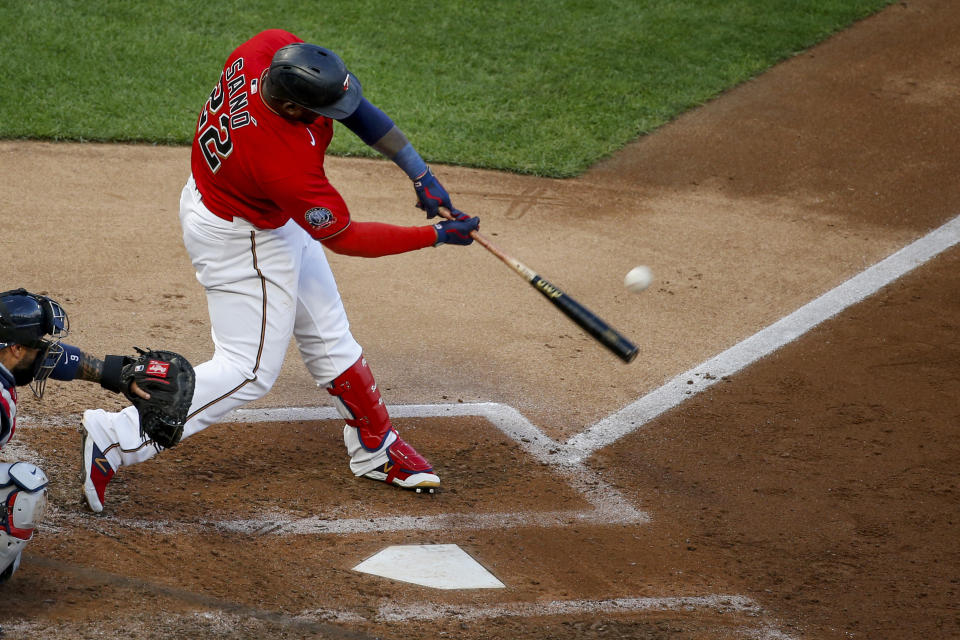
(583,317)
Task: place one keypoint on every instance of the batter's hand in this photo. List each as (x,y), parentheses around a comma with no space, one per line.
(431,195)
(456,231)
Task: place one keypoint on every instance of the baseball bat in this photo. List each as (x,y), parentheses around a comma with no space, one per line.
(587,320)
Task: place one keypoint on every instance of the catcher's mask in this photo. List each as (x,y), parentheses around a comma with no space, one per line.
(38,322)
(314,78)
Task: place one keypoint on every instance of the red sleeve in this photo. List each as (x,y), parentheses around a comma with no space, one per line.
(376,239)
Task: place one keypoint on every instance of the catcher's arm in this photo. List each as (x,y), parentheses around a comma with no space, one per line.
(159,383)
(76,364)
(111,376)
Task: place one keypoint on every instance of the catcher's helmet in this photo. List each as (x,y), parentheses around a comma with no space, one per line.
(38,322)
(314,78)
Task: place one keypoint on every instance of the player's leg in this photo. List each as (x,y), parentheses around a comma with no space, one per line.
(250,277)
(23,496)
(375,448)
(335,361)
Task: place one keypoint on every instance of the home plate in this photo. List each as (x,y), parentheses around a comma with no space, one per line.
(441,566)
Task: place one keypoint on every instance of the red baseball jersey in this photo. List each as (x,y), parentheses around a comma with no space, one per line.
(250,162)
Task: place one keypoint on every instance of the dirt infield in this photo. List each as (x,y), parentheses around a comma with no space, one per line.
(811,494)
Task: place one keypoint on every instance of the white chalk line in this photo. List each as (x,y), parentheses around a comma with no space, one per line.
(431,611)
(786,330)
(445,522)
(718,603)
(391,612)
(728,605)
(609,506)
(507,419)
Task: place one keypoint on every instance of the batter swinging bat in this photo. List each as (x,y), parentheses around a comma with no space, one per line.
(586,319)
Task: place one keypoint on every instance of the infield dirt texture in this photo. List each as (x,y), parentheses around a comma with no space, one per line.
(812,493)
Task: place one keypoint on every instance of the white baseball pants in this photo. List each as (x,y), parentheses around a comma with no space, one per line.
(263,286)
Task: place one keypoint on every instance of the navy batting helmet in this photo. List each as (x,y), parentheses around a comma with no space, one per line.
(314,78)
(33,321)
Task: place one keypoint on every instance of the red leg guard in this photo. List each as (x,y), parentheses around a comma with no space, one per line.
(357,391)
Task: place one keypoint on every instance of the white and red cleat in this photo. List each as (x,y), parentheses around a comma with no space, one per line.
(376,450)
(406,469)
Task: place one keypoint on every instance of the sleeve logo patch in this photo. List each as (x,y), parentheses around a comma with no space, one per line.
(319,217)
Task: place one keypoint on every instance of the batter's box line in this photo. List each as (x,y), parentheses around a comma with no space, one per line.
(609,506)
(717,603)
(764,342)
(444,522)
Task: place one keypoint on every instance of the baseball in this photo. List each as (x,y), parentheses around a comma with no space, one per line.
(638,279)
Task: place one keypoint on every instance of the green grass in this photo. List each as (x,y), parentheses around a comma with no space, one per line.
(543,88)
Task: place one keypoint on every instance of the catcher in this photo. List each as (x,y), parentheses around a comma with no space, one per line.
(31,329)
(168,381)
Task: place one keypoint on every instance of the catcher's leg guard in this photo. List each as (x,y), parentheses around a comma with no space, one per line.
(376,450)
(23,494)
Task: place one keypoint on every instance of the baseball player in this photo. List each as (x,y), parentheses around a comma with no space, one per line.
(256,214)
(31,329)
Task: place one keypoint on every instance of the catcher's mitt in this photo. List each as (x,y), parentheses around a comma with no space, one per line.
(170,380)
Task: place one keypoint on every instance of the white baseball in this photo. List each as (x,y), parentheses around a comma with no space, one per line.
(638,279)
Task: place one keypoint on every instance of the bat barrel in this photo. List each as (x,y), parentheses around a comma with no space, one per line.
(583,317)
(587,320)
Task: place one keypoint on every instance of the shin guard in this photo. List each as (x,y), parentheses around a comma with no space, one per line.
(376,450)
(358,401)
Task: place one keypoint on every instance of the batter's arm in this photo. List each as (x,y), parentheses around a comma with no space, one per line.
(376,239)
(376,129)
